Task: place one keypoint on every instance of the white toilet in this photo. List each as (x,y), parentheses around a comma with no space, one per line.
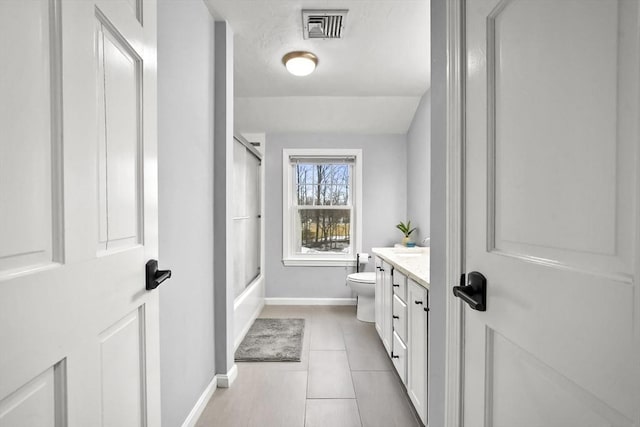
(364,285)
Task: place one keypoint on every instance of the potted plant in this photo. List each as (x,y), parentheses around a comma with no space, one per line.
(406,230)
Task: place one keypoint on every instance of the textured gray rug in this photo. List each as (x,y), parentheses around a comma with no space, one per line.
(272,340)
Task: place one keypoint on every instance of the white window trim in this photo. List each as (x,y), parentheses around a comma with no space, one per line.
(288,257)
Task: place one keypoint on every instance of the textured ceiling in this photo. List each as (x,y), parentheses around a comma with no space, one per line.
(384,53)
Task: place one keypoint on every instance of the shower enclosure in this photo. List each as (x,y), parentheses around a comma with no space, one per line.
(247,207)
(247,213)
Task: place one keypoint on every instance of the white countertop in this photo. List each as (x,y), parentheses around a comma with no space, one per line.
(414,262)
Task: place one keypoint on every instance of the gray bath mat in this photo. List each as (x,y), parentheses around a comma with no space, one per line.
(272,340)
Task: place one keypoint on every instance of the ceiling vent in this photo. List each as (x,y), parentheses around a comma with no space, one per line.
(323,24)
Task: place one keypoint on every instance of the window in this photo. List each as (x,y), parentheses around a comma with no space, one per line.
(321,209)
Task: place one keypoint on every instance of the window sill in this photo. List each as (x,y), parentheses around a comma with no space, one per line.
(306,262)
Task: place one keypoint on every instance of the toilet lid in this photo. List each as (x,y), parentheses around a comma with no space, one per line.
(368,277)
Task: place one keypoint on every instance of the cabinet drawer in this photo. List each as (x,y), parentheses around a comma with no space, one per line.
(400,285)
(400,318)
(399,357)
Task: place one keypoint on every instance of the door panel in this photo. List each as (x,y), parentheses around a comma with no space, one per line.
(37,403)
(79,337)
(26,153)
(122,368)
(575,207)
(136,8)
(520,380)
(119,148)
(552,212)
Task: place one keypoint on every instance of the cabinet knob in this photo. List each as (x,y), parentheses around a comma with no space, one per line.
(418,302)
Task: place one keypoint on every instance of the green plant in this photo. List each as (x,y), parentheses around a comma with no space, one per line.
(405,228)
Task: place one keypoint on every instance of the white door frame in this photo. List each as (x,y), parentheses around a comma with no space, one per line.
(454,210)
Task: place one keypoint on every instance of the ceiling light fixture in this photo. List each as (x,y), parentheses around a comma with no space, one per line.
(300,63)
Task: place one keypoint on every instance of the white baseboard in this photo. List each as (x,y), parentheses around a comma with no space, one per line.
(197,410)
(253,317)
(225,380)
(310,301)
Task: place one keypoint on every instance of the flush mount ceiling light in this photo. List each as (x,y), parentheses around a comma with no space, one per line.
(300,63)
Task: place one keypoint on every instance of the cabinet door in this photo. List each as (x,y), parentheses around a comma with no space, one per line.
(417,303)
(387,311)
(379,296)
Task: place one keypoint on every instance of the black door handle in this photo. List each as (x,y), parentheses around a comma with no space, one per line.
(475,292)
(155,276)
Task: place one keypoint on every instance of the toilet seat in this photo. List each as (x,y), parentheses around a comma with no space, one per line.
(367,277)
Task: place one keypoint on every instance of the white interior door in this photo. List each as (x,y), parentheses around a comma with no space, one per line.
(78,213)
(552,213)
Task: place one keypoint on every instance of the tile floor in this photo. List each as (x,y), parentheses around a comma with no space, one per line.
(344,379)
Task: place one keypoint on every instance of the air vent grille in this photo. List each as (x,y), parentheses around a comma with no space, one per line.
(323,24)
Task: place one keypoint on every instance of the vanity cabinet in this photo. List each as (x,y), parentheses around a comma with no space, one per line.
(402,319)
(418,323)
(383,303)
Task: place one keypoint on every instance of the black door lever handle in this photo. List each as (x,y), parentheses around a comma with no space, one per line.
(475,292)
(155,276)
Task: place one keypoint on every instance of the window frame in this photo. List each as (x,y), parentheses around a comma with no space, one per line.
(289,255)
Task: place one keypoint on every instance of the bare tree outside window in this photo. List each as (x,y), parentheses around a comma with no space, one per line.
(324,207)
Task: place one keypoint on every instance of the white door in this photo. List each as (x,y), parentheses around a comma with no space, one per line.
(552,213)
(78,215)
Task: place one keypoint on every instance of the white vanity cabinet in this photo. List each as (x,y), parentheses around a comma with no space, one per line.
(418,307)
(383,303)
(402,318)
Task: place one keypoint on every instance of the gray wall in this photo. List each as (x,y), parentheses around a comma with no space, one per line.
(419,170)
(384,199)
(185,161)
(437,295)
